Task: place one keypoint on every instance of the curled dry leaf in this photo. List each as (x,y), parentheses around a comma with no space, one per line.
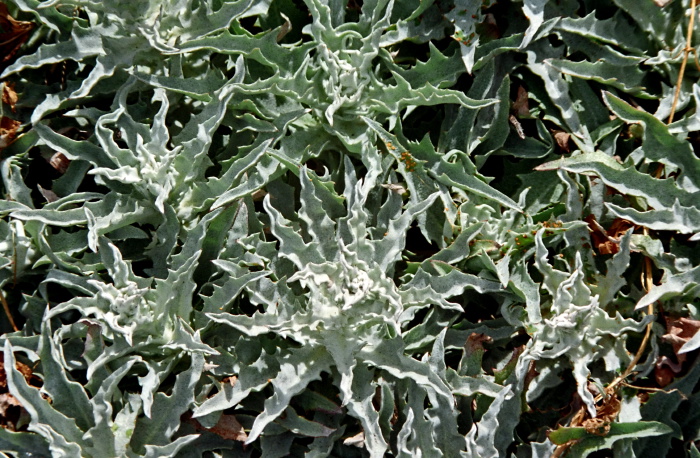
(285,29)
(605,414)
(607,241)
(678,332)
(562,138)
(518,128)
(9,96)
(48,194)
(520,107)
(8,131)
(665,371)
(398,188)
(227,427)
(13,34)
(59,162)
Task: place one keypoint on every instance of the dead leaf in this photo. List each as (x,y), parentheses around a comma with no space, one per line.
(473,351)
(8,131)
(562,138)
(397,188)
(13,34)
(665,371)
(518,128)
(60,162)
(48,194)
(227,427)
(7,401)
(662,3)
(9,96)
(285,29)
(607,241)
(680,331)
(520,106)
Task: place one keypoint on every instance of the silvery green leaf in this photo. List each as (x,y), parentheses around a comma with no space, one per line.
(588,443)
(468,386)
(671,286)
(302,426)
(24,442)
(534,12)
(659,193)
(464,16)
(662,25)
(494,120)
(13,182)
(438,71)
(481,438)
(659,145)
(609,31)
(558,91)
(361,407)
(389,357)
(609,285)
(68,397)
(102,435)
(430,167)
(685,220)
(58,429)
(688,123)
(627,79)
(526,286)
(49,17)
(297,369)
(158,430)
(171,449)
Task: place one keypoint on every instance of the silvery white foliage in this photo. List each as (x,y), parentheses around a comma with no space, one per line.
(227,110)
(17,253)
(141,316)
(156,174)
(342,73)
(144,31)
(576,326)
(357,76)
(349,316)
(103,425)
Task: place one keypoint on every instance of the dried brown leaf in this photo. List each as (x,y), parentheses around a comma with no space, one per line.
(607,241)
(562,138)
(60,162)
(13,34)
(229,428)
(9,96)
(8,131)
(520,107)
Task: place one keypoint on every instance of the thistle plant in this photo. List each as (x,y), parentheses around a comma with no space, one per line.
(379,228)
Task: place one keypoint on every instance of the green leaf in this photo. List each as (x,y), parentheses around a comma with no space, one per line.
(56,427)
(297,369)
(588,443)
(150,433)
(659,145)
(659,193)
